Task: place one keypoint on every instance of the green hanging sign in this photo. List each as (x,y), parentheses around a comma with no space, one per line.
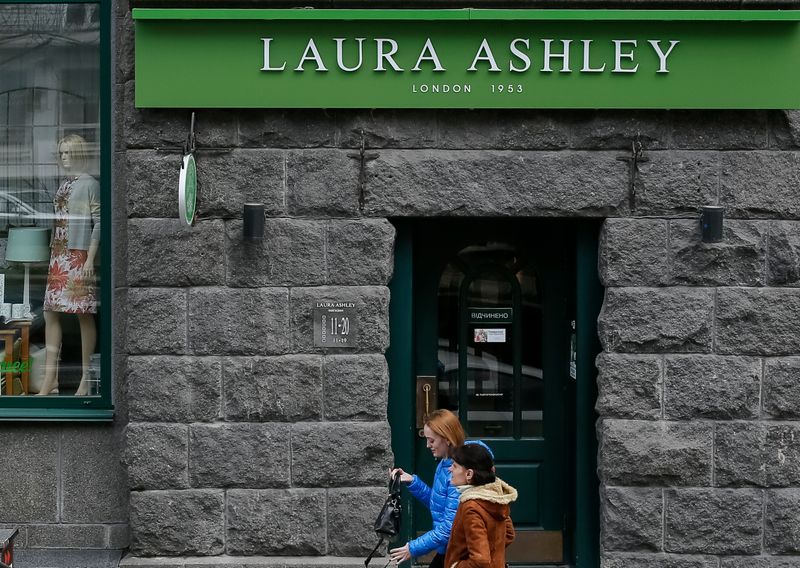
(187,190)
(635,59)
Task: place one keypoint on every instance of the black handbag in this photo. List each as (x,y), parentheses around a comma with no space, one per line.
(387,524)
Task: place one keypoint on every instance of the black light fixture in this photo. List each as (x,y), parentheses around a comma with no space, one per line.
(711,223)
(253,226)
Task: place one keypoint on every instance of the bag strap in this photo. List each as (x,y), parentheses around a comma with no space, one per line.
(394,484)
(371,554)
(394,490)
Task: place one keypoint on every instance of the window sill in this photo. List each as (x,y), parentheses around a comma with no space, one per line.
(55,415)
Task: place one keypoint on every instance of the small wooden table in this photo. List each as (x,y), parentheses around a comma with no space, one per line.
(7,336)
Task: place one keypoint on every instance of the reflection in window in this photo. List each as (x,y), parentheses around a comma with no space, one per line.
(487,296)
(449,286)
(49,198)
(531,401)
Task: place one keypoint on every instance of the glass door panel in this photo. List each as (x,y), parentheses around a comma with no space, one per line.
(490,364)
(532,388)
(448,337)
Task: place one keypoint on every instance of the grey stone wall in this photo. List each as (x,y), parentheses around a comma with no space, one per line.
(699,377)
(62,487)
(251,424)
(244,439)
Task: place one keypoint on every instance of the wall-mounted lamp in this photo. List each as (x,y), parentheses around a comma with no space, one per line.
(253,226)
(711,223)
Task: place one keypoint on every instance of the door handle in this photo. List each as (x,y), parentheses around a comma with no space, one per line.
(426,399)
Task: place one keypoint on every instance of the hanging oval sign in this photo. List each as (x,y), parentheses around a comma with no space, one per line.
(187,190)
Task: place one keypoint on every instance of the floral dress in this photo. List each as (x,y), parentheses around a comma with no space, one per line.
(67,291)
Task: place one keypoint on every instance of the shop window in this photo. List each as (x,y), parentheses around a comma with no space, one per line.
(54,199)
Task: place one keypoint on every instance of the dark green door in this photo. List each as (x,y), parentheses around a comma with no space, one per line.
(492,325)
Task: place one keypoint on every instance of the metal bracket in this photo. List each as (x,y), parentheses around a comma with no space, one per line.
(637,156)
(363,156)
(191,143)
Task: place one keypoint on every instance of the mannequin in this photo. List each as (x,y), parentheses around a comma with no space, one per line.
(71,287)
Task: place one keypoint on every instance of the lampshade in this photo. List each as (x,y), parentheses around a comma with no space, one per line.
(28,244)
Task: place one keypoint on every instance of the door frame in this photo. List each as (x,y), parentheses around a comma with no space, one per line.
(400,357)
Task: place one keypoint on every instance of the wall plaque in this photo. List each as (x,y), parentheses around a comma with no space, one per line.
(335,324)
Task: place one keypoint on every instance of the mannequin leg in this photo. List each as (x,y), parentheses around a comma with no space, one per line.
(88,342)
(52,339)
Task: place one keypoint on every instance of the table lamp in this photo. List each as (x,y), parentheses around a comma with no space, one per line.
(28,245)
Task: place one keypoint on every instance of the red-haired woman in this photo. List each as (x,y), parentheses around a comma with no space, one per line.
(443,434)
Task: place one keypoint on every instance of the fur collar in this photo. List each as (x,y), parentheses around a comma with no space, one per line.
(498,492)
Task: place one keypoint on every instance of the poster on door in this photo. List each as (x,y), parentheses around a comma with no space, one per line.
(488,335)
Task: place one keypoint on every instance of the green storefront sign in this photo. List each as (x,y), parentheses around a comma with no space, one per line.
(467,59)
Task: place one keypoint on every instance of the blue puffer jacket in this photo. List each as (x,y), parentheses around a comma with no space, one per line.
(442,500)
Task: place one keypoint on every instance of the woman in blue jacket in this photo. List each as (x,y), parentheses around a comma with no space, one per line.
(443,434)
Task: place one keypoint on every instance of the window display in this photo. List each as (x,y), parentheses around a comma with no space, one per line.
(51,190)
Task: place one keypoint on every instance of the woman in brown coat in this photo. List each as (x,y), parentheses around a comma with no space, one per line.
(482,528)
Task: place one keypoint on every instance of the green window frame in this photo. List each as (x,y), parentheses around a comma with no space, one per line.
(100,406)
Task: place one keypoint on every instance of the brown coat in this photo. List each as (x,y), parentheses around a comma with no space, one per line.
(482,528)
